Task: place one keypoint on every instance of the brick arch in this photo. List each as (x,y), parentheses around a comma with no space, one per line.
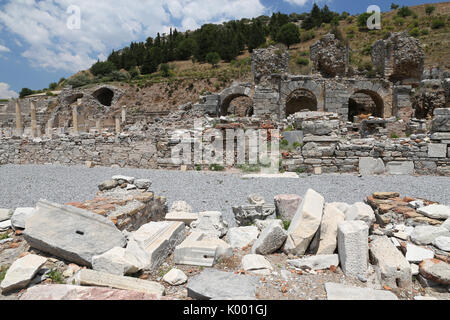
(231,93)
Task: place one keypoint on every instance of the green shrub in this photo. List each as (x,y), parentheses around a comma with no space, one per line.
(3,272)
(213,58)
(79,81)
(102,68)
(429,9)
(302,61)
(437,24)
(399,21)
(164,69)
(56,276)
(284,143)
(424,32)
(4,236)
(362,20)
(394,136)
(366,50)
(216,167)
(297,145)
(286,224)
(415,32)
(404,12)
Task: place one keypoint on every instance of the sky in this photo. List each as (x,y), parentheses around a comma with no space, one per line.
(42,41)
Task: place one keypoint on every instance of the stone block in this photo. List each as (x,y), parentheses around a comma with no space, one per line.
(200,249)
(185,217)
(400,167)
(20,216)
(317,262)
(305,223)
(73,234)
(242,236)
(86,277)
(211,283)
(437,150)
(425,234)
(271,239)
(442,243)
(293,137)
(175,277)
(58,292)
(117,261)
(152,243)
(371,166)
(21,272)
(5,214)
(256,264)
(327,234)
(286,205)
(435,270)
(353,247)
(435,211)
(360,211)
(416,254)
(247,214)
(392,268)
(337,291)
(211,223)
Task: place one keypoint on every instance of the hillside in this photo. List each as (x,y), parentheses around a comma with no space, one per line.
(188,79)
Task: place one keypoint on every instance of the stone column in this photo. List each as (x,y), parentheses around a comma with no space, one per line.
(124,114)
(19,127)
(118,129)
(49,130)
(34,131)
(98,125)
(75,119)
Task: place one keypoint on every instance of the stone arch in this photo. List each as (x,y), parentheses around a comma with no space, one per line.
(365,101)
(297,87)
(300,99)
(73,98)
(230,94)
(104,96)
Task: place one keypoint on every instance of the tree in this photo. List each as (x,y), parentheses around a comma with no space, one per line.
(165,69)
(404,12)
(102,68)
(149,65)
(394,6)
(256,36)
(53,86)
(289,34)
(25,92)
(186,49)
(429,9)
(213,58)
(362,20)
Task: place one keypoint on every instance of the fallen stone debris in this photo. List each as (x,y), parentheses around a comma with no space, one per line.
(386,247)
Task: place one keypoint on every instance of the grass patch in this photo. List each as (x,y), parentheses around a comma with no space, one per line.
(4,236)
(56,276)
(394,136)
(216,167)
(3,271)
(286,224)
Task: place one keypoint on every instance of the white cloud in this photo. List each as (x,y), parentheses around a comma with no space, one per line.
(297,2)
(41,25)
(4,49)
(6,92)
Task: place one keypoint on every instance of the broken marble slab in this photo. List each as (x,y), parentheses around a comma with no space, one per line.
(21,272)
(246,215)
(73,234)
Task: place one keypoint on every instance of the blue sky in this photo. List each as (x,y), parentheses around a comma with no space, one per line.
(37,47)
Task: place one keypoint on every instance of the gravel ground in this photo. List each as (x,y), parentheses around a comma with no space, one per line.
(24,185)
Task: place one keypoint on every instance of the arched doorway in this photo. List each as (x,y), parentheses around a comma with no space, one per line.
(300,100)
(366,103)
(104,96)
(238,104)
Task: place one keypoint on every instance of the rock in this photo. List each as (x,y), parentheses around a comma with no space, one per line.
(327,234)
(5,214)
(265,62)
(318,262)
(86,277)
(435,211)
(446,224)
(175,277)
(262,224)
(416,204)
(200,249)
(414,269)
(73,234)
(435,270)
(60,292)
(385,195)
(142,183)
(153,242)
(424,298)
(437,150)
(20,216)
(271,239)
(442,243)
(370,166)
(124,179)
(400,167)
(286,205)
(294,136)
(211,223)
(393,269)
(353,247)
(211,283)
(21,272)
(242,236)
(256,264)
(117,261)
(337,291)
(426,234)
(342,206)
(246,215)
(180,206)
(185,217)
(329,56)
(305,223)
(108,185)
(360,211)
(417,254)
(256,199)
